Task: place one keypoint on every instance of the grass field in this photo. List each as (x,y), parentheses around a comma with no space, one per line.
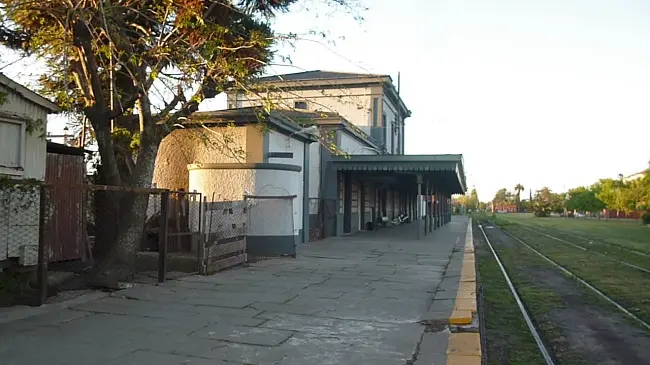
(623,233)
(593,250)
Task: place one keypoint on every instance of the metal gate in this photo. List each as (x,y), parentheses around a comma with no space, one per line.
(224,242)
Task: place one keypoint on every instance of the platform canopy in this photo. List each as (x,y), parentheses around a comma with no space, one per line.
(445,172)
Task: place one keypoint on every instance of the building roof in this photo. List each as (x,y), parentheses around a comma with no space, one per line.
(62,149)
(294,120)
(28,94)
(445,172)
(318,75)
(638,175)
(288,125)
(320,78)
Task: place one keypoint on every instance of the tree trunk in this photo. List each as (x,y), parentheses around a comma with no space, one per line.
(121,262)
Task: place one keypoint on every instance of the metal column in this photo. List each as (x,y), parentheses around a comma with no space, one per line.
(418,206)
(426,209)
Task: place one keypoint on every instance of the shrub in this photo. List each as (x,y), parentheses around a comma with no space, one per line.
(645,218)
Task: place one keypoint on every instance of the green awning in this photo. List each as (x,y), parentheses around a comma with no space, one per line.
(444,171)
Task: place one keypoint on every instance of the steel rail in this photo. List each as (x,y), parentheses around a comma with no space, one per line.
(582,281)
(522,309)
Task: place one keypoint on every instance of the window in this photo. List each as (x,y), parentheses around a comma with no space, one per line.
(300,105)
(12,146)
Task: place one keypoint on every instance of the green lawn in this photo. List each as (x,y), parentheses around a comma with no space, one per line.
(623,233)
(624,284)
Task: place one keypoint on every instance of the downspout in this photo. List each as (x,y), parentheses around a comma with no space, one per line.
(305,191)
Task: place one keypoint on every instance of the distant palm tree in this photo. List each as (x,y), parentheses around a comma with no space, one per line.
(518,189)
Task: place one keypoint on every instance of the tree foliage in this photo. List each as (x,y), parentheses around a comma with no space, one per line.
(584,199)
(472,200)
(136,69)
(518,189)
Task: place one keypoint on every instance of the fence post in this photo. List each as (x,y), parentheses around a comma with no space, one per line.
(42,252)
(162,236)
(202,234)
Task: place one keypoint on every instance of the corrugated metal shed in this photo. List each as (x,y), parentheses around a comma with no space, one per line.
(65,225)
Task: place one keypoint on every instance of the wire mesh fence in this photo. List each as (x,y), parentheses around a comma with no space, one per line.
(94,230)
(126,233)
(19,221)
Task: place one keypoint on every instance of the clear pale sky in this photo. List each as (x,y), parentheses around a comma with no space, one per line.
(553,92)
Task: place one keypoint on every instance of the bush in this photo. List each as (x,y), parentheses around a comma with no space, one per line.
(542,213)
(645,218)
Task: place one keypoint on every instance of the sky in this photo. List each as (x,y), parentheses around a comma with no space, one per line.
(543,93)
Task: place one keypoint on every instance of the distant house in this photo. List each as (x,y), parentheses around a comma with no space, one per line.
(636,176)
(23,148)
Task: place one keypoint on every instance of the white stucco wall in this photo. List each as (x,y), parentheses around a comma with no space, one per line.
(232,184)
(198,145)
(278,142)
(352,103)
(353,146)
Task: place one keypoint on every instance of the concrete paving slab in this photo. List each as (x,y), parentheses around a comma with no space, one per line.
(348,300)
(245,335)
(148,357)
(433,349)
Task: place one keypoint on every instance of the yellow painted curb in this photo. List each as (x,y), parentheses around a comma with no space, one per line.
(461,318)
(464,344)
(466,304)
(468,270)
(467,286)
(465,348)
(466,294)
(468,278)
(463,360)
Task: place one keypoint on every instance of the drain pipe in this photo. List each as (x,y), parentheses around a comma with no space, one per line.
(305,190)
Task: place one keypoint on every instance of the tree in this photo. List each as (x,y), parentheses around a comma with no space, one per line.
(472,201)
(518,189)
(584,199)
(643,202)
(545,202)
(611,193)
(135,69)
(501,196)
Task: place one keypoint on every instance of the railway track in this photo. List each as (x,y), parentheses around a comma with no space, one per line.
(522,307)
(584,249)
(531,326)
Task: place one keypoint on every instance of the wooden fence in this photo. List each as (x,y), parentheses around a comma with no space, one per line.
(225,236)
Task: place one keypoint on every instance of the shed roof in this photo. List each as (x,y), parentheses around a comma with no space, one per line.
(444,171)
(28,94)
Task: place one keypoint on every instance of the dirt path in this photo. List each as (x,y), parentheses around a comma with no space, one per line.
(576,325)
